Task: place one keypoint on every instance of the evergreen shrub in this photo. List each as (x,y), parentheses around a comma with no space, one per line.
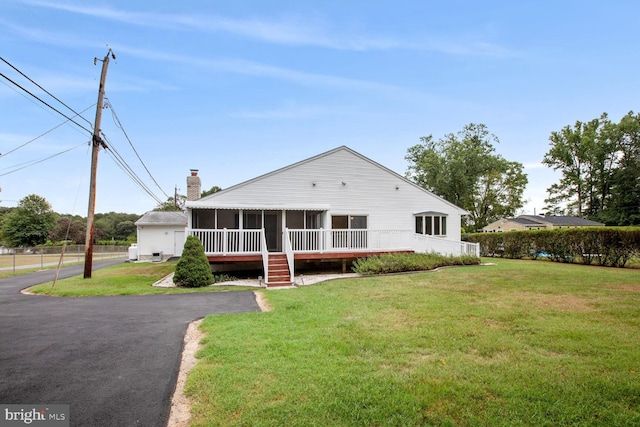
(193,269)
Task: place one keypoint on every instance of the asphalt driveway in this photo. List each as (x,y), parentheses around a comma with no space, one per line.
(115,360)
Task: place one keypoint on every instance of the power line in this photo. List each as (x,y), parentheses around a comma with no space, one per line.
(35,162)
(46,103)
(116,120)
(122,163)
(45,91)
(42,134)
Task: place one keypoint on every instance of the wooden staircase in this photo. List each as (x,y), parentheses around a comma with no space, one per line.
(278,274)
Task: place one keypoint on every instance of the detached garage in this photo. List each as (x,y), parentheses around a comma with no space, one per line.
(160,235)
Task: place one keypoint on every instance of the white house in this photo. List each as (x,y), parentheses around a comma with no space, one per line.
(336,205)
(539,222)
(161,235)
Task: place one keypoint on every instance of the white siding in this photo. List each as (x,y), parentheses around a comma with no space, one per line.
(157,238)
(389,200)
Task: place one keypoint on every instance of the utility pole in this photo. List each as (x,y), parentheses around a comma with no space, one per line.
(175,198)
(96,142)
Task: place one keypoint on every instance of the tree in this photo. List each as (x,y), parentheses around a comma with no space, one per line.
(600,166)
(585,155)
(172,204)
(193,269)
(212,190)
(69,229)
(624,205)
(29,223)
(108,226)
(463,169)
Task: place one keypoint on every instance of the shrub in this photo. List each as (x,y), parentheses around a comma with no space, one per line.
(193,269)
(396,263)
(607,246)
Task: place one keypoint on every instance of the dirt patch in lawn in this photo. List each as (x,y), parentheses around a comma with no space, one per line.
(561,302)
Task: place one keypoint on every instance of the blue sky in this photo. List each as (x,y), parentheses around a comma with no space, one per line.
(240,88)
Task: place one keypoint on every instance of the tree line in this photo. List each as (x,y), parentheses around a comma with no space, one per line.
(33,222)
(599,162)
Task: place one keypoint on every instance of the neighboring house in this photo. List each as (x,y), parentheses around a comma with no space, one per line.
(338,205)
(539,222)
(160,235)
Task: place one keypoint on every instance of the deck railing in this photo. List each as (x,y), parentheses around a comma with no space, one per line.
(425,243)
(265,257)
(288,250)
(225,241)
(321,240)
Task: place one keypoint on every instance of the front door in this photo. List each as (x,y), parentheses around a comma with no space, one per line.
(272,231)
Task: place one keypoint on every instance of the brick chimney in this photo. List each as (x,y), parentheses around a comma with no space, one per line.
(193,185)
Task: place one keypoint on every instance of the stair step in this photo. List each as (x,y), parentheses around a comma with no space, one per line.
(278,274)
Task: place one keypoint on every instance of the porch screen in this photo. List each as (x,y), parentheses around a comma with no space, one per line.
(349,231)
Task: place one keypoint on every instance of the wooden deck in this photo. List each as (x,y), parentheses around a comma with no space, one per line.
(305,256)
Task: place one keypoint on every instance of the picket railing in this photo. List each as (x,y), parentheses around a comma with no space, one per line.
(252,242)
(320,240)
(225,241)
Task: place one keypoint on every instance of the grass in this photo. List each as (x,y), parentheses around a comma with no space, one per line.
(518,343)
(122,279)
(14,265)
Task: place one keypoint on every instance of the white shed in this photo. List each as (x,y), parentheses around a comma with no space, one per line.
(160,235)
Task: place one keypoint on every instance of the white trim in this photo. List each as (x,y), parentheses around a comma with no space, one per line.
(256,207)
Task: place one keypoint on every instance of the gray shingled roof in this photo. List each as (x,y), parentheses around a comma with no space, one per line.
(562,220)
(163,218)
(524,220)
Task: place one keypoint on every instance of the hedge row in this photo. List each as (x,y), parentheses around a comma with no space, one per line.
(608,246)
(396,263)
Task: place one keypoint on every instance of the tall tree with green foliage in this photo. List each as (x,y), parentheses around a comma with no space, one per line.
(29,223)
(624,205)
(464,169)
(585,155)
(600,167)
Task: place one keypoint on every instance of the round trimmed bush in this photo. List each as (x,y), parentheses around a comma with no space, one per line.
(193,269)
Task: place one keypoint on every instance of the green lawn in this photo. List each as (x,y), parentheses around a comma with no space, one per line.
(517,343)
(122,279)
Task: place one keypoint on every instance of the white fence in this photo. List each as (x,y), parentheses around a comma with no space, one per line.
(225,242)
(321,240)
(424,243)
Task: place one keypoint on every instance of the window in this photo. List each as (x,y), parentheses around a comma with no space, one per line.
(431,223)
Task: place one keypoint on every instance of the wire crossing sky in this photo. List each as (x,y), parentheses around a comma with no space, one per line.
(238,89)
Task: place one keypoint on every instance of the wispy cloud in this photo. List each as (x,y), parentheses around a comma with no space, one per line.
(292,31)
(252,68)
(291,112)
(222,65)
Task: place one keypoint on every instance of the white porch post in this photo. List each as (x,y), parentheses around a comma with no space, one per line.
(240,228)
(283,227)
